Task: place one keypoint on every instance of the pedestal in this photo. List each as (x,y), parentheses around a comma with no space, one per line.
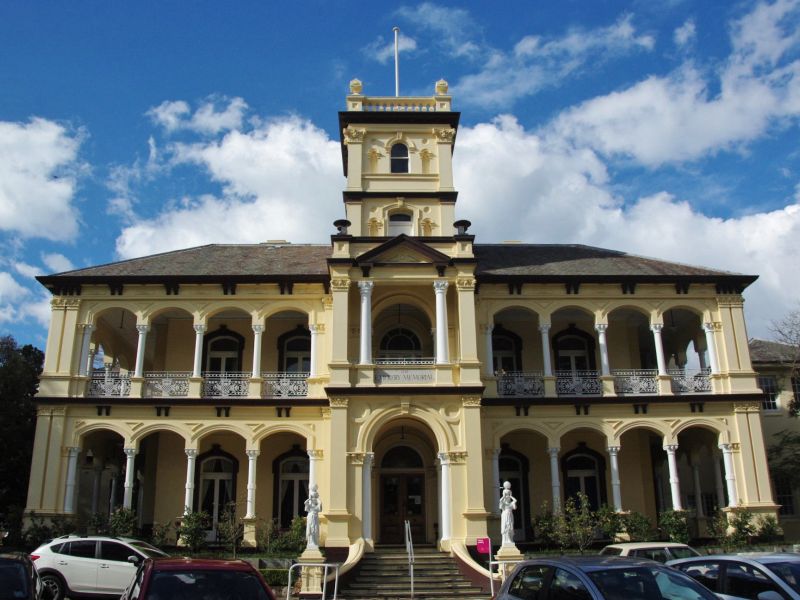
(310,576)
(249,533)
(511,555)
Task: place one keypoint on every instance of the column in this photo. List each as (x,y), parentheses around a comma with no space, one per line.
(444,496)
(701,355)
(365,289)
(252,456)
(698,490)
(601,336)
(315,331)
(199,331)
(616,492)
(488,366)
(674,480)
(258,332)
(313,459)
(140,347)
(130,469)
(496,480)
(83,367)
(730,475)
(442,354)
(718,483)
(711,347)
(662,363)
(188,499)
(366,495)
(555,480)
(72,471)
(544,330)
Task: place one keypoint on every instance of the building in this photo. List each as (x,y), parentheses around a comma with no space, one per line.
(403,368)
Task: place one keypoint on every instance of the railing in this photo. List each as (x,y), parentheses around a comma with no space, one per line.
(163,384)
(106,383)
(518,383)
(226,385)
(578,383)
(404,360)
(399,104)
(410,552)
(635,381)
(691,382)
(285,385)
(404,370)
(324,566)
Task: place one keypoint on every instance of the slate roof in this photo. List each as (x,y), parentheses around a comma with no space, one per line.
(764,351)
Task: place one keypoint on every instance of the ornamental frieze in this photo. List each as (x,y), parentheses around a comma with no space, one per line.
(457,458)
(340,285)
(444,135)
(747,406)
(465,283)
(471,401)
(353,135)
(339,402)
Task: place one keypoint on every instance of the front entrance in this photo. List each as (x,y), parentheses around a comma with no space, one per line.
(402,499)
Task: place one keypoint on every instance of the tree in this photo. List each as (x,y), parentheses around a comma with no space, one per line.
(20,368)
(784,457)
(787,332)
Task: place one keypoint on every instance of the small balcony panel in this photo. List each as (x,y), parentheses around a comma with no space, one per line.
(404,371)
(520,384)
(285,385)
(108,384)
(578,383)
(690,382)
(162,384)
(226,385)
(635,381)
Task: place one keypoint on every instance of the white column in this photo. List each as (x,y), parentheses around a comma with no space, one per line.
(313,459)
(442,353)
(315,330)
(544,330)
(488,367)
(711,347)
(616,492)
(90,362)
(258,332)
(496,480)
(701,355)
(72,471)
(83,367)
(130,458)
(188,499)
(674,480)
(366,495)
(365,289)
(730,475)
(140,347)
(199,331)
(601,337)
(252,456)
(444,496)
(718,483)
(662,363)
(555,481)
(698,491)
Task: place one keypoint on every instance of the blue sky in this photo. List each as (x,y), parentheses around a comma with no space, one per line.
(668,129)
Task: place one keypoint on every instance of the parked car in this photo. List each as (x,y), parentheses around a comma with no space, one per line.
(18,578)
(91,566)
(599,578)
(660,551)
(756,575)
(190,578)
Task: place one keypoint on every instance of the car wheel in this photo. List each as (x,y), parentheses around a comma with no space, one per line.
(54,586)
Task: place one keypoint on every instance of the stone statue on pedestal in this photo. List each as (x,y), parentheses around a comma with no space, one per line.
(313,507)
(508,504)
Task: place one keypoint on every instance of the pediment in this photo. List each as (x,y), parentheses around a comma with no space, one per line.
(403,250)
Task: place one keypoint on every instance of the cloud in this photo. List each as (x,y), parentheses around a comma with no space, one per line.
(57,263)
(39,169)
(215,115)
(383,51)
(454,28)
(685,34)
(11,296)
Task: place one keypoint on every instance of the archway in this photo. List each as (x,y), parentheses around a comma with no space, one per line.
(101,475)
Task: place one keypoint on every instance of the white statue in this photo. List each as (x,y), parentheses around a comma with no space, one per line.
(313,507)
(508,504)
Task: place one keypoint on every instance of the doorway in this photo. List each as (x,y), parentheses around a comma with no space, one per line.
(402,495)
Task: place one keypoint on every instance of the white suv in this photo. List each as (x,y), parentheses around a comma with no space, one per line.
(660,551)
(93,566)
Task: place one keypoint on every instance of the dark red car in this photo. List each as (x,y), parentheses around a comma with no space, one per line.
(197,578)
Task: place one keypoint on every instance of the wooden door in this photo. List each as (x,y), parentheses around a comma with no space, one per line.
(402,499)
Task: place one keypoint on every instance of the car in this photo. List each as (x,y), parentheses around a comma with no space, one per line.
(756,575)
(18,578)
(90,566)
(660,551)
(599,578)
(190,578)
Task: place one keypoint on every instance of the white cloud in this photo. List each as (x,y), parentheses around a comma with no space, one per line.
(454,28)
(215,115)
(685,34)
(27,270)
(11,296)
(57,263)
(38,179)
(383,51)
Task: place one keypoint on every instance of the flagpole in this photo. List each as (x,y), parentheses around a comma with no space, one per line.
(396,61)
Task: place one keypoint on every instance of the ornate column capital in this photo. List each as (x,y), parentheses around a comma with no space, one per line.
(440,286)
(726,447)
(601,327)
(252,454)
(340,285)
(199,329)
(258,329)
(614,450)
(87,327)
(444,458)
(316,328)
(712,326)
(365,288)
(545,328)
(457,458)
(471,401)
(747,406)
(314,454)
(554,451)
(142,329)
(465,284)
(671,448)
(339,402)
(656,327)
(487,328)
(71,451)
(130,452)
(353,135)
(190,452)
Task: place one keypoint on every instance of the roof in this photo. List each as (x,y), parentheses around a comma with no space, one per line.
(208,564)
(764,351)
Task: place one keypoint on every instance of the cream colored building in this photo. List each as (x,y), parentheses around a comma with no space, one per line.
(403,367)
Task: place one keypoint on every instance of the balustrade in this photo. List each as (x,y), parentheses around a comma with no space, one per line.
(635,381)
(285,385)
(518,383)
(578,383)
(163,384)
(399,105)
(105,383)
(690,382)
(404,370)
(226,385)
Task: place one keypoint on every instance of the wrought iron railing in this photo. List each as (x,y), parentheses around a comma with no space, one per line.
(578,383)
(285,385)
(232,384)
(165,384)
(635,381)
(690,382)
(404,360)
(518,383)
(109,384)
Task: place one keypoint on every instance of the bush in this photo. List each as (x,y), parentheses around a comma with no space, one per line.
(276,577)
(161,535)
(544,526)
(122,522)
(717,525)
(266,535)
(293,540)
(38,532)
(609,521)
(192,529)
(98,524)
(674,526)
(575,525)
(743,528)
(230,528)
(638,527)
(769,530)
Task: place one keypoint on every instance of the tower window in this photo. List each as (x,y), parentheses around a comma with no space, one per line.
(400,223)
(399,158)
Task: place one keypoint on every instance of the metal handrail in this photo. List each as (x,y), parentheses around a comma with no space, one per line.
(410,551)
(500,572)
(324,577)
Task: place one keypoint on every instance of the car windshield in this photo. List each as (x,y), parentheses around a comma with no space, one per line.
(646,583)
(683,552)
(148,550)
(208,585)
(13,581)
(789,572)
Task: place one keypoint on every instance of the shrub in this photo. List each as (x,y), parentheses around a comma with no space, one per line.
(38,532)
(674,526)
(161,534)
(743,528)
(230,528)
(769,530)
(609,521)
(98,524)
(718,529)
(276,577)
(293,540)
(638,527)
(266,535)
(575,525)
(544,526)
(122,522)
(192,529)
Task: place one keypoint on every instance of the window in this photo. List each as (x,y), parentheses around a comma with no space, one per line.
(769,385)
(400,223)
(399,158)
(657,554)
(705,572)
(744,581)
(400,343)
(584,471)
(567,586)
(82,549)
(784,495)
(293,489)
(574,350)
(223,351)
(529,582)
(506,350)
(116,552)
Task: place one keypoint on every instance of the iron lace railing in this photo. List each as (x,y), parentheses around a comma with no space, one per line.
(105,383)
(233,384)
(635,381)
(165,384)
(285,385)
(519,383)
(578,383)
(410,552)
(690,382)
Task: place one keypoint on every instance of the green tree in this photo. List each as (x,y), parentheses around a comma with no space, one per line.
(787,332)
(192,530)
(575,525)
(784,457)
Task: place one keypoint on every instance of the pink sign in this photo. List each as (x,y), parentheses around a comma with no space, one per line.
(484,546)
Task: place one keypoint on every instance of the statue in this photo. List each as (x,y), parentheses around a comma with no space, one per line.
(313,507)
(508,504)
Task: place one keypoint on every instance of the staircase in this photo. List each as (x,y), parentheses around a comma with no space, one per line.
(383,575)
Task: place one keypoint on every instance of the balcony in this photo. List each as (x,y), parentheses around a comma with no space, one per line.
(520,384)
(404,370)
(630,382)
(284,385)
(690,382)
(164,384)
(105,383)
(235,384)
(578,383)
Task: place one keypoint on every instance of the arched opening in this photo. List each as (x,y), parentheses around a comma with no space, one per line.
(402,332)
(399,158)
(400,343)
(400,222)
(155,497)
(216,484)
(294,350)
(222,351)
(574,350)
(584,471)
(101,475)
(506,351)
(290,485)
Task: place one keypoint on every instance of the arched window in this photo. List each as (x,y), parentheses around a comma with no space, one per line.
(400,343)
(574,350)
(290,472)
(584,470)
(506,350)
(217,484)
(402,457)
(399,158)
(223,351)
(400,223)
(294,351)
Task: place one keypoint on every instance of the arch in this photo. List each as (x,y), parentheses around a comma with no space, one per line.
(560,340)
(142,433)
(599,497)
(653,426)
(221,494)
(399,158)
(613,307)
(498,307)
(295,346)
(151,313)
(568,427)
(427,418)
(198,435)
(302,308)
(587,309)
(97,310)
(81,432)
(507,428)
(210,311)
(219,336)
(710,424)
(283,428)
(391,300)
(698,311)
(403,456)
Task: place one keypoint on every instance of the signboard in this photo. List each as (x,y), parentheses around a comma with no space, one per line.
(484,546)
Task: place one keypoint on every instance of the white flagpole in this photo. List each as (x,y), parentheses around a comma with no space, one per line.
(396,61)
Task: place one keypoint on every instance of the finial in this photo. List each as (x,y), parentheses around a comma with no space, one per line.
(356,86)
(441,87)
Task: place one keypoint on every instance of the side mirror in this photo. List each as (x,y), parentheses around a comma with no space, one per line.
(133,559)
(769,595)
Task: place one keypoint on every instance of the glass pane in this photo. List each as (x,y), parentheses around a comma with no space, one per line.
(83,549)
(529,581)
(704,572)
(116,552)
(207,495)
(746,582)
(414,489)
(567,586)
(402,457)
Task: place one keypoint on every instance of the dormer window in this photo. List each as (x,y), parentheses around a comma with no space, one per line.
(399,223)
(399,158)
